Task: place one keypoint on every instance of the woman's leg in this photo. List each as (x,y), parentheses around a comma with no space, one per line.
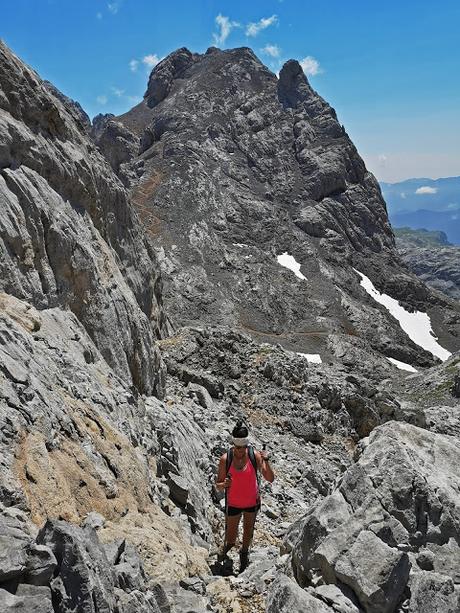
(249,520)
(232,530)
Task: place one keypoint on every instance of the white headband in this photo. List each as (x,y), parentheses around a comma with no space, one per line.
(241,442)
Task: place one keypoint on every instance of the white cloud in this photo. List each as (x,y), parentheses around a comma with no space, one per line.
(133,64)
(113,7)
(151,60)
(117,92)
(225,27)
(310,66)
(99,15)
(382,159)
(102,99)
(252,29)
(272,50)
(426,190)
(403,195)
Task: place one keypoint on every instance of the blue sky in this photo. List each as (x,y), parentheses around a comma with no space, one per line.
(390,69)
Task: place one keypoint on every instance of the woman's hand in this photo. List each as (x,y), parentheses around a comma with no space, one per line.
(223,485)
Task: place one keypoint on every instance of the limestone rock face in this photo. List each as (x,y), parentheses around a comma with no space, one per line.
(75,438)
(68,235)
(116,142)
(237,167)
(397,502)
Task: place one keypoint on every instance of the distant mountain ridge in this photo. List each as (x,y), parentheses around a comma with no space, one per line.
(432,258)
(422,238)
(433,204)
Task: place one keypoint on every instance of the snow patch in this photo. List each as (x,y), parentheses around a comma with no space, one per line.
(314,358)
(402,365)
(288,261)
(416,325)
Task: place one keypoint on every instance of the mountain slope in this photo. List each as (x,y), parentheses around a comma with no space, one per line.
(230,168)
(68,235)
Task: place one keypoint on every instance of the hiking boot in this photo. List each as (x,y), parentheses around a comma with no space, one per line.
(244,560)
(227,567)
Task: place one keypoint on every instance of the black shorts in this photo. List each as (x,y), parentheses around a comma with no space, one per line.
(232,511)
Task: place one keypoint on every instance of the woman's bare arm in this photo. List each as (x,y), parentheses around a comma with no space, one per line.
(264,467)
(221,481)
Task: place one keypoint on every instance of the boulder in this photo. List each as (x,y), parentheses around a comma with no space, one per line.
(336,598)
(400,497)
(28,599)
(375,572)
(286,596)
(84,573)
(433,593)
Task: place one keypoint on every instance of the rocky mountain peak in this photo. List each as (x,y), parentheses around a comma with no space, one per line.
(293,86)
(231,168)
(164,73)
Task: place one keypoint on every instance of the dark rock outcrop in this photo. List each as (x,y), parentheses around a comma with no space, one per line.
(65,568)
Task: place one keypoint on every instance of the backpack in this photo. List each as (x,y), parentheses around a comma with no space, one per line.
(252,457)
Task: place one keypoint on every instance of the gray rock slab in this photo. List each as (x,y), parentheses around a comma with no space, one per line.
(136,602)
(432,593)
(28,599)
(376,573)
(335,597)
(84,571)
(286,596)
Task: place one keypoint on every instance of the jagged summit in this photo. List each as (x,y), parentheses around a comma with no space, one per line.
(231,167)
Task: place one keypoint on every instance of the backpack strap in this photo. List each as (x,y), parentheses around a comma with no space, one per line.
(229,460)
(252,457)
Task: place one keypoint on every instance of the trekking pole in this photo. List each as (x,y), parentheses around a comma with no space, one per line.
(228,476)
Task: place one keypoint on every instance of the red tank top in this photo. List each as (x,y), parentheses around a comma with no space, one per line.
(243,491)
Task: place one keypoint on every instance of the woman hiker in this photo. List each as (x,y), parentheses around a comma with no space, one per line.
(238,477)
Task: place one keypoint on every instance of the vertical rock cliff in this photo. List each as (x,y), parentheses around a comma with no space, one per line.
(69,237)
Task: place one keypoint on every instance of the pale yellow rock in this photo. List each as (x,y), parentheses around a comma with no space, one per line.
(161,543)
(224,599)
(21,312)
